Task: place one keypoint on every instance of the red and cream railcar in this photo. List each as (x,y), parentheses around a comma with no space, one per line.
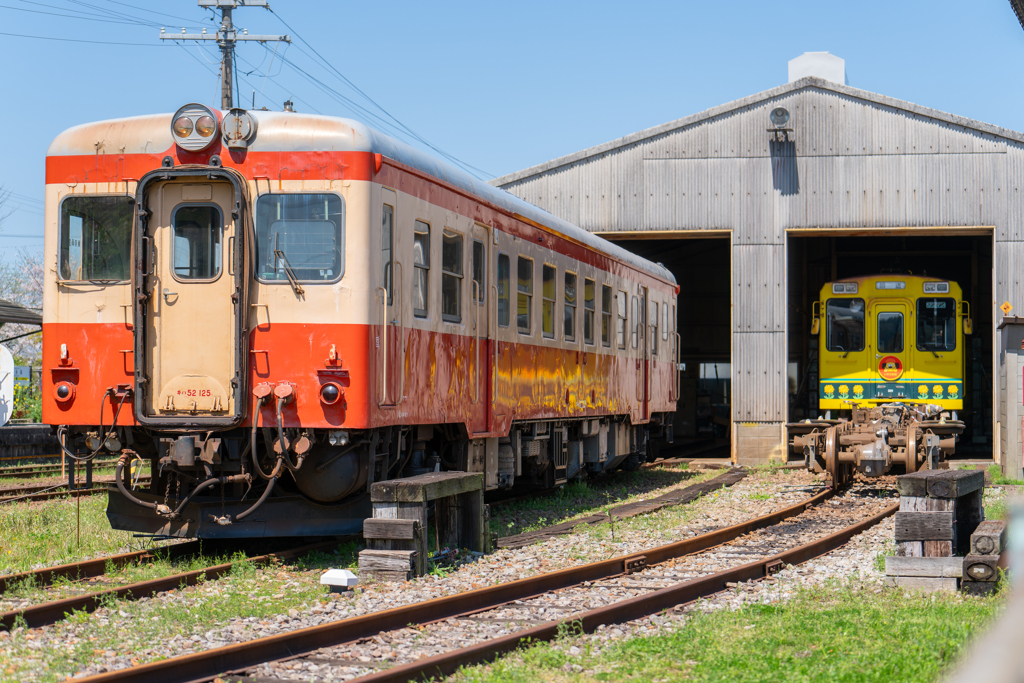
(275,310)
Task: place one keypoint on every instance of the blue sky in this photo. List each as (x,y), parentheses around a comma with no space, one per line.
(501,86)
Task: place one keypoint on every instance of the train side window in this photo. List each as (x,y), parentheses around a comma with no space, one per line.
(844,331)
(606,315)
(664,322)
(504,279)
(95,238)
(622,319)
(636,322)
(570,307)
(588,310)
(303,234)
(451,277)
(936,324)
(548,296)
(421,269)
(524,287)
(386,243)
(654,328)
(479,272)
(890,332)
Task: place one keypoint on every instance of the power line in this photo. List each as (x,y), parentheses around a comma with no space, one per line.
(76,40)
(404,127)
(151,11)
(66,16)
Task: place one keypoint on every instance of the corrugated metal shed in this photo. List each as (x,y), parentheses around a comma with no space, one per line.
(854,160)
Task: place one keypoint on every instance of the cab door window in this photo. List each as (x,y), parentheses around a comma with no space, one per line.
(197,242)
(890,332)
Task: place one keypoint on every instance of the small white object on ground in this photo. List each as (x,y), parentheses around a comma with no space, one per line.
(340,580)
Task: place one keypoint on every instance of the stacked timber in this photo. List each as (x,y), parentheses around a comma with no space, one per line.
(939,511)
(982,564)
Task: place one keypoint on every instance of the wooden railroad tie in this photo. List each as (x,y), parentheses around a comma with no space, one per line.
(940,515)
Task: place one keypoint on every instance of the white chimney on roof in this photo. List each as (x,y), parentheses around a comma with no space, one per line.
(819,64)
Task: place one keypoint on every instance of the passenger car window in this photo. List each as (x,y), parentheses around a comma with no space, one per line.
(548,309)
(95,238)
(606,315)
(504,279)
(622,319)
(197,242)
(421,269)
(307,231)
(451,276)
(588,310)
(525,296)
(844,329)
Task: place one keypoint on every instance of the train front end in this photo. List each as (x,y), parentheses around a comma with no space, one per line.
(891,375)
(197,326)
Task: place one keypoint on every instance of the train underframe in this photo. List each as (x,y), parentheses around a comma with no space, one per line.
(265,481)
(876,439)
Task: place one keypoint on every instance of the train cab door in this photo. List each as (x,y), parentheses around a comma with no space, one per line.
(481,328)
(892,352)
(189,291)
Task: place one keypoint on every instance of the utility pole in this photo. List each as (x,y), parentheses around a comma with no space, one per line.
(226,38)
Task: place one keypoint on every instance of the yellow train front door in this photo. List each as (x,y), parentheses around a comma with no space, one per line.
(892,350)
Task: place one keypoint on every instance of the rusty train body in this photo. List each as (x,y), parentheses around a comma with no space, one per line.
(270,311)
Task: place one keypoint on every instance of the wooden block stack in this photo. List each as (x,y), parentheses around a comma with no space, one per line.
(982,564)
(939,510)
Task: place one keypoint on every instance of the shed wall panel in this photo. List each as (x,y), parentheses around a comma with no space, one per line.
(759,379)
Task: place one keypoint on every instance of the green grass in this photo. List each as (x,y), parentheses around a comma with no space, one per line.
(133,629)
(995,473)
(583,498)
(45,533)
(827,634)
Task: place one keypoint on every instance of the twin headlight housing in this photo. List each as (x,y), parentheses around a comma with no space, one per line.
(194,127)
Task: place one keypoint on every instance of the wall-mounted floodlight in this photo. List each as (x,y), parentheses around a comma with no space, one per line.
(779,116)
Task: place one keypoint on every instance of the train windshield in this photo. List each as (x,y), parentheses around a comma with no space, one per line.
(95,238)
(845,325)
(301,233)
(936,324)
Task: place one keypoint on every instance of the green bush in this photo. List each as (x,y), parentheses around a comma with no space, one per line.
(28,403)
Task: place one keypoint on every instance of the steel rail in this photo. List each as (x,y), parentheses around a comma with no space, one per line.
(55,610)
(626,610)
(30,471)
(206,665)
(89,568)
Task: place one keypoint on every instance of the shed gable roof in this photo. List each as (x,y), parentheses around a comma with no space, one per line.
(740,104)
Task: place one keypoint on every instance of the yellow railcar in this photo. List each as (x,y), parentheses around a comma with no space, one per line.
(891,338)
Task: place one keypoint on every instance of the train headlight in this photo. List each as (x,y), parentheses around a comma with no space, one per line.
(194,127)
(238,128)
(206,125)
(936,288)
(183,126)
(844,288)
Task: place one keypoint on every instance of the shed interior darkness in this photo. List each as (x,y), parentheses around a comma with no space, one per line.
(702,268)
(815,260)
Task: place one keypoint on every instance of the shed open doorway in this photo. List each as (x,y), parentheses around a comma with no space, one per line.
(701,264)
(963,255)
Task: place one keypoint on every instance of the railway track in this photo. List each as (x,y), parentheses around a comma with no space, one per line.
(53,470)
(484,623)
(33,492)
(52,611)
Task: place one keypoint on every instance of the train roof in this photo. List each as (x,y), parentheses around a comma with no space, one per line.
(297,132)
